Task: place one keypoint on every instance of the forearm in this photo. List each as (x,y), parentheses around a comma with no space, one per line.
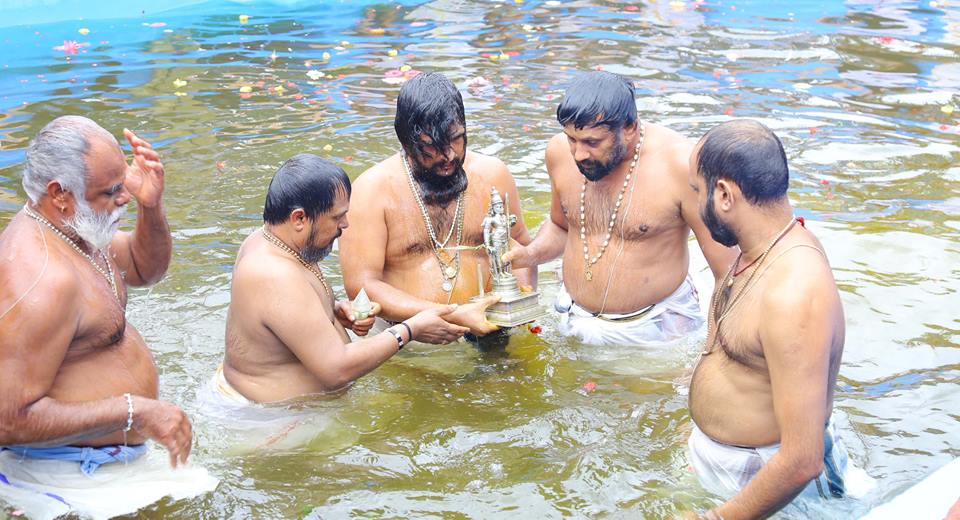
(361,357)
(152,244)
(396,305)
(548,244)
(49,422)
(774,486)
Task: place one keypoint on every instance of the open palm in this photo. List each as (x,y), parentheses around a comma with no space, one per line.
(144,179)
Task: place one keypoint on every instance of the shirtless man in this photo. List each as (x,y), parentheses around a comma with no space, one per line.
(620,215)
(286,335)
(762,393)
(64,269)
(417,238)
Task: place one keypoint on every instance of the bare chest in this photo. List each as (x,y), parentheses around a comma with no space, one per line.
(633,213)
(734,328)
(410,233)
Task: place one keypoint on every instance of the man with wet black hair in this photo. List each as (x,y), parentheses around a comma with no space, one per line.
(416,236)
(762,394)
(620,215)
(286,333)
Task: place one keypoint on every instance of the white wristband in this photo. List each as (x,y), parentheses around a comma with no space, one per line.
(129,399)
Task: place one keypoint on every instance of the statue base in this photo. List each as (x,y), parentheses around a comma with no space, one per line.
(515,307)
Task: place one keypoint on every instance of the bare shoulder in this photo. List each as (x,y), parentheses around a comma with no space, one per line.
(557,149)
(258,266)
(670,147)
(30,263)
(488,167)
(372,181)
(800,281)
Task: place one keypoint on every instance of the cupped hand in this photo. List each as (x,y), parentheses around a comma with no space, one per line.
(348,318)
(144,176)
(166,424)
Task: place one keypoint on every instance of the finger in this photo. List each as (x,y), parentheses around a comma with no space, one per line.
(172,450)
(488,301)
(154,166)
(375,308)
(189,439)
(134,140)
(148,153)
(365,323)
(446,309)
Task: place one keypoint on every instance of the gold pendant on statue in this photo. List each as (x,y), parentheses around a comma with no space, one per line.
(447,286)
(589,275)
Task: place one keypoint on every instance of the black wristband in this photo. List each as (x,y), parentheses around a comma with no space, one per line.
(409,331)
(396,336)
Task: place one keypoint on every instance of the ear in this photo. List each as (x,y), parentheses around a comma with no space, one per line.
(298,219)
(62,199)
(725,194)
(630,131)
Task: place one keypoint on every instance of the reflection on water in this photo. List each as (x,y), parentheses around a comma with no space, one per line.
(864,95)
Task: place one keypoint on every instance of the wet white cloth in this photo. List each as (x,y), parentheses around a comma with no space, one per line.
(45,488)
(661,324)
(250,426)
(724,469)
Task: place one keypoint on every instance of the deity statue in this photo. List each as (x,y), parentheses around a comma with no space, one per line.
(515,306)
(496,235)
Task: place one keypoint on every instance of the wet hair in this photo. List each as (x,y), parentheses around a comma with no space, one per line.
(748,154)
(598,98)
(428,104)
(58,153)
(304,181)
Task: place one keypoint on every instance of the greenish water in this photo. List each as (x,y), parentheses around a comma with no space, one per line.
(860,93)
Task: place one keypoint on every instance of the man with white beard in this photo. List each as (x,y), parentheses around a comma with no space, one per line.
(79,385)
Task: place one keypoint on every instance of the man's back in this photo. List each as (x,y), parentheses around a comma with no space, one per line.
(257,363)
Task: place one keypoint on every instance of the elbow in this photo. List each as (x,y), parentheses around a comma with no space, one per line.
(333,381)
(803,469)
(11,430)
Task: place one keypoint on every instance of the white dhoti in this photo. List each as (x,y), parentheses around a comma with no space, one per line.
(659,324)
(724,469)
(46,489)
(251,426)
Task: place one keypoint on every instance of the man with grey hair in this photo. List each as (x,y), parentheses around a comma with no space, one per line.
(79,384)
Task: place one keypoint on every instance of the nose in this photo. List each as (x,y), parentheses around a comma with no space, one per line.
(123,197)
(345,224)
(580,153)
(449,154)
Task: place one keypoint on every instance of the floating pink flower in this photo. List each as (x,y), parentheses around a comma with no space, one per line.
(69,47)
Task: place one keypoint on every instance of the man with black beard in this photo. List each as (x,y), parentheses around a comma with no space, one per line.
(286,333)
(416,237)
(620,215)
(761,395)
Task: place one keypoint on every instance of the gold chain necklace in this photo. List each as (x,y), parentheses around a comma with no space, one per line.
(589,262)
(727,282)
(108,273)
(313,268)
(449,269)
